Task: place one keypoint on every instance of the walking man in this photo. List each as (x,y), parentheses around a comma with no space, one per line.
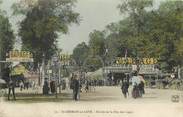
(11,87)
(76,87)
(124,88)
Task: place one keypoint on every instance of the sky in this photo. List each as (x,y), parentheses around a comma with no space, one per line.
(95,14)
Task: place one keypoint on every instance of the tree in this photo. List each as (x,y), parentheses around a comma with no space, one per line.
(179,52)
(44,19)
(153,32)
(97,43)
(170,27)
(144,32)
(7,37)
(136,11)
(80,53)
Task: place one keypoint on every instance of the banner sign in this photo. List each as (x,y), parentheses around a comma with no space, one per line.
(19,56)
(19,69)
(145,61)
(148,69)
(64,57)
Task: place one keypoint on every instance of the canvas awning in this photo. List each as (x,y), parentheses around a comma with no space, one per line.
(18,69)
(2,81)
(96,74)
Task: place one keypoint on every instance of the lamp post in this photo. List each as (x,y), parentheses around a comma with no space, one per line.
(104,65)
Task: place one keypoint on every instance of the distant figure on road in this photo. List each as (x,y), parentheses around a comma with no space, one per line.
(52,87)
(21,85)
(26,85)
(110,75)
(87,86)
(45,88)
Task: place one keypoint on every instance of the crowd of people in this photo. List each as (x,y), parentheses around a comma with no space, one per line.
(136,80)
(78,82)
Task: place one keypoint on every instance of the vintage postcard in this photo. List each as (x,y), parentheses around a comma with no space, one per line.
(91,58)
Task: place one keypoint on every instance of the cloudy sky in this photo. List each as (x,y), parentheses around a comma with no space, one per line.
(95,14)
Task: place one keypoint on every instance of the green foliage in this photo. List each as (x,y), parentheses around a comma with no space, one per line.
(92,64)
(149,33)
(43,21)
(97,43)
(133,6)
(88,55)
(144,32)
(80,53)
(179,51)
(6,36)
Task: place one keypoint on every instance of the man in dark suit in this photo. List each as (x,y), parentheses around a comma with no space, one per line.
(11,87)
(9,81)
(124,88)
(76,87)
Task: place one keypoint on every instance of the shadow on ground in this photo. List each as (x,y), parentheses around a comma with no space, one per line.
(39,98)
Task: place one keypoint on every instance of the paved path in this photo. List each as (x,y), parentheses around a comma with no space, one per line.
(103,102)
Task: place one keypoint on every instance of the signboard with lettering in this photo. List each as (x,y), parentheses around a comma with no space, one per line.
(19,56)
(128,60)
(64,57)
(148,69)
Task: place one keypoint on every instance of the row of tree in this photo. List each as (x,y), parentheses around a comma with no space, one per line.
(146,31)
(44,21)
(7,37)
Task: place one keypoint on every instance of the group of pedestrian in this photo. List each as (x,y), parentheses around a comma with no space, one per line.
(138,84)
(25,84)
(49,87)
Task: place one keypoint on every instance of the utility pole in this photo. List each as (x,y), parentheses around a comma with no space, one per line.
(59,77)
(55,71)
(43,71)
(0,60)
